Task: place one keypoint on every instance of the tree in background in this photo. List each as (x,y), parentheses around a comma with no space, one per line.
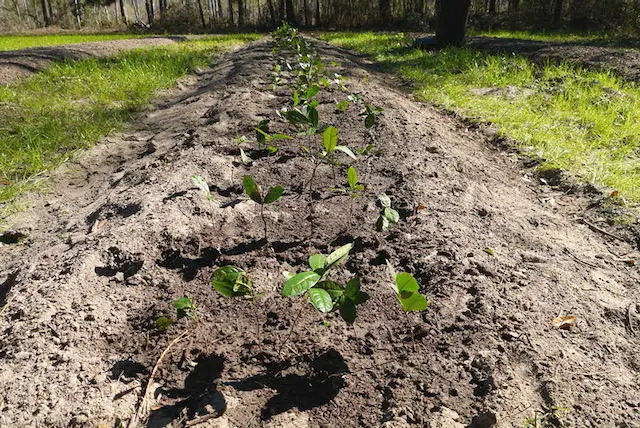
(451,24)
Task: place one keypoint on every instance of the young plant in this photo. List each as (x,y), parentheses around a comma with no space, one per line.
(370,115)
(324,294)
(306,116)
(355,189)
(201,184)
(331,146)
(253,191)
(407,293)
(231,281)
(388,214)
(185,308)
(267,140)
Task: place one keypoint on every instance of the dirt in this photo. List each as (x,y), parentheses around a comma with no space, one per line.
(25,62)
(123,233)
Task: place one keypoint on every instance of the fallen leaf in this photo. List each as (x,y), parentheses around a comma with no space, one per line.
(564,322)
(614,193)
(630,262)
(489,251)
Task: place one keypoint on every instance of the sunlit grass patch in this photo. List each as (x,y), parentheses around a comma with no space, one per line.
(585,122)
(11,42)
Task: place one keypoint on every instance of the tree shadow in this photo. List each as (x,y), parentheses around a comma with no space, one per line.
(304,386)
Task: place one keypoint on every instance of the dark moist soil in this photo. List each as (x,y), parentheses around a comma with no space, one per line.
(124,232)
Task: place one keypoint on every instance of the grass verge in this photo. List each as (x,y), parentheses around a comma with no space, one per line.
(582,121)
(71,105)
(10,42)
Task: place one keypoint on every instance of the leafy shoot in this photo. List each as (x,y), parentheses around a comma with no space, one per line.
(254,192)
(231,281)
(388,214)
(201,184)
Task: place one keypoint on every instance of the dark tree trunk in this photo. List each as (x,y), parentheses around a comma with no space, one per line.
(451,23)
(148,4)
(291,13)
(306,13)
(281,13)
(492,7)
(231,13)
(272,13)
(240,13)
(513,6)
(45,13)
(385,10)
(557,11)
(201,11)
(318,13)
(123,12)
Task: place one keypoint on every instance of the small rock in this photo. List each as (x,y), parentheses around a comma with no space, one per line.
(119,276)
(486,419)
(532,258)
(99,378)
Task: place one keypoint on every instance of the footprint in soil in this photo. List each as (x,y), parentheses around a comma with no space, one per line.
(198,398)
(302,389)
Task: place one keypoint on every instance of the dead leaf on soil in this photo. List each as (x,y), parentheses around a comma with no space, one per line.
(614,193)
(564,322)
(631,262)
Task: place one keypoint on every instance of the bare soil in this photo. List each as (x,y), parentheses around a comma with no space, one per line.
(25,62)
(123,233)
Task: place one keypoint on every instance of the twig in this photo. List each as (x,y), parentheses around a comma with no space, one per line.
(579,260)
(598,229)
(630,319)
(139,415)
(201,419)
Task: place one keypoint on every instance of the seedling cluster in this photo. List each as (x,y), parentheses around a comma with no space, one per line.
(327,288)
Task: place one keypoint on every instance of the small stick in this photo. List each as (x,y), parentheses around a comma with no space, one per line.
(141,408)
(630,319)
(598,229)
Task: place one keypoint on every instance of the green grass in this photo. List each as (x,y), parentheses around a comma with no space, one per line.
(69,107)
(582,121)
(560,37)
(9,42)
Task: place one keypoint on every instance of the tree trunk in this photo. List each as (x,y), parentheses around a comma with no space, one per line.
(557,12)
(123,13)
(272,13)
(231,21)
(318,13)
(513,6)
(385,11)
(240,13)
(201,12)
(148,4)
(45,13)
(492,7)
(451,22)
(291,13)
(306,13)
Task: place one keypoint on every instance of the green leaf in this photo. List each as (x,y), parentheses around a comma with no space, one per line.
(230,281)
(317,261)
(370,120)
(352,177)
(335,290)
(272,149)
(296,98)
(312,114)
(415,302)
(262,131)
(352,288)
(382,224)
(348,311)
(295,117)
(330,139)
(405,282)
(183,303)
(338,255)
(385,201)
(244,158)
(273,194)
(201,183)
(251,189)
(281,137)
(347,151)
(287,274)
(320,299)
(391,215)
(163,324)
(311,92)
(300,283)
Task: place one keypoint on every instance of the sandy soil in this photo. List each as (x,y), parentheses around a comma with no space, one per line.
(25,62)
(124,232)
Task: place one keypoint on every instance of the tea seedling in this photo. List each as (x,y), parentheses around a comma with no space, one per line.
(327,295)
(331,146)
(185,308)
(201,184)
(388,215)
(342,105)
(254,192)
(307,115)
(355,189)
(370,115)
(268,140)
(407,293)
(231,281)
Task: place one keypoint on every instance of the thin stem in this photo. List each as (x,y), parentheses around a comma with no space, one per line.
(413,338)
(263,220)
(293,326)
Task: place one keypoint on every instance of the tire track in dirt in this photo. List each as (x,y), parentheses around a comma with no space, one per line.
(124,232)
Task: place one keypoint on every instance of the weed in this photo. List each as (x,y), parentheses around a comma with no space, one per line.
(343,105)
(253,191)
(388,214)
(549,418)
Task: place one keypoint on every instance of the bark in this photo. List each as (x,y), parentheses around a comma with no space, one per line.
(318,13)
(240,13)
(492,7)
(272,13)
(451,22)
(123,12)
(385,10)
(45,13)
(291,13)
(557,11)
(231,21)
(148,4)
(201,11)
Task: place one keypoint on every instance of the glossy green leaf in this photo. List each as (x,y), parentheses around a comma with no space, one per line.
(335,290)
(370,120)
(231,281)
(348,311)
(320,299)
(330,139)
(281,137)
(273,194)
(251,189)
(414,302)
(347,151)
(300,283)
(312,114)
(385,201)
(392,215)
(295,117)
(405,282)
(262,131)
(184,307)
(317,261)
(339,254)
(311,92)
(352,177)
